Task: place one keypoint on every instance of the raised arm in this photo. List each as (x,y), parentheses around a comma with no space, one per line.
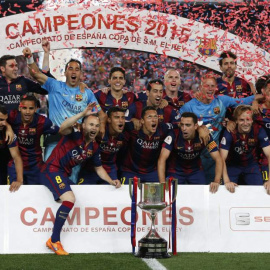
(66,126)
(46,58)
(33,68)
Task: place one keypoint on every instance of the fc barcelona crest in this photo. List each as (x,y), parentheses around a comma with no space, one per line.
(216,110)
(251,142)
(160,118)
(89,153)
(18,87)
(208,46)
(238,88)
(79,97)
(32,131)
(119,143)
(124,104)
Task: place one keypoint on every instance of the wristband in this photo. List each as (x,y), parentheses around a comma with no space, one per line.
(30,60)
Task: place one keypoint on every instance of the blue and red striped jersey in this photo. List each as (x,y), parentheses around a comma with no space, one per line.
(71,151)
(29,136)
(143,151)
(3,143)
(185,154)
(182,98)
(244,149)
(238,89)
(106,101)
(109,148)
(165,115)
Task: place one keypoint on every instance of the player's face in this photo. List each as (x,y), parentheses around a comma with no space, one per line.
(117,81)
(188,128)
(208,88)
(117,122)
(228,67)
(172,81)
(3,120)
(244,122)
(91,127)
(155,94)
(10,71)
(73,74)
(150,122)
(27,109)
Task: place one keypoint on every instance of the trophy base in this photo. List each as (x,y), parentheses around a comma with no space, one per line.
(152,248)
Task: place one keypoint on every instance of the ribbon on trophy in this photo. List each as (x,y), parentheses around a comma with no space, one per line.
(134,213)
(173,215)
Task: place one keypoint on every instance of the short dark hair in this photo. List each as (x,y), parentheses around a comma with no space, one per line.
(260,83)
(30,97)
(5,58)
(115,69)
(3,109)
(115,109)
(156,81)
(147,108)
(266,83)
(191,115)
(226,54)
(73,60)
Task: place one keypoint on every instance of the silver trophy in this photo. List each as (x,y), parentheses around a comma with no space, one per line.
(153,200)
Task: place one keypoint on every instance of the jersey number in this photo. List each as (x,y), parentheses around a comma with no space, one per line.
(58,179)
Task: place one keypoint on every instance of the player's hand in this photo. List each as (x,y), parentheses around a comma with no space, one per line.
(46,45)
(255,107)
(137,123)
(9,135)
(231,186)
(204,134)
(214,187)
(231,125)
(163,103)
(82,86)
(105,90)
(89,109)
(117,183)
(27,52)
(267,187)
(15,186)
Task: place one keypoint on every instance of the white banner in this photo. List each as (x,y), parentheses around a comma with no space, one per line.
(119,27)
(100,220)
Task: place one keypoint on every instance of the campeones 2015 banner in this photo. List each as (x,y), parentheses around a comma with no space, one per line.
(128,28)
(101,217)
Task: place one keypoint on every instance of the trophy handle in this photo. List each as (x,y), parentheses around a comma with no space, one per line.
(175,182)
